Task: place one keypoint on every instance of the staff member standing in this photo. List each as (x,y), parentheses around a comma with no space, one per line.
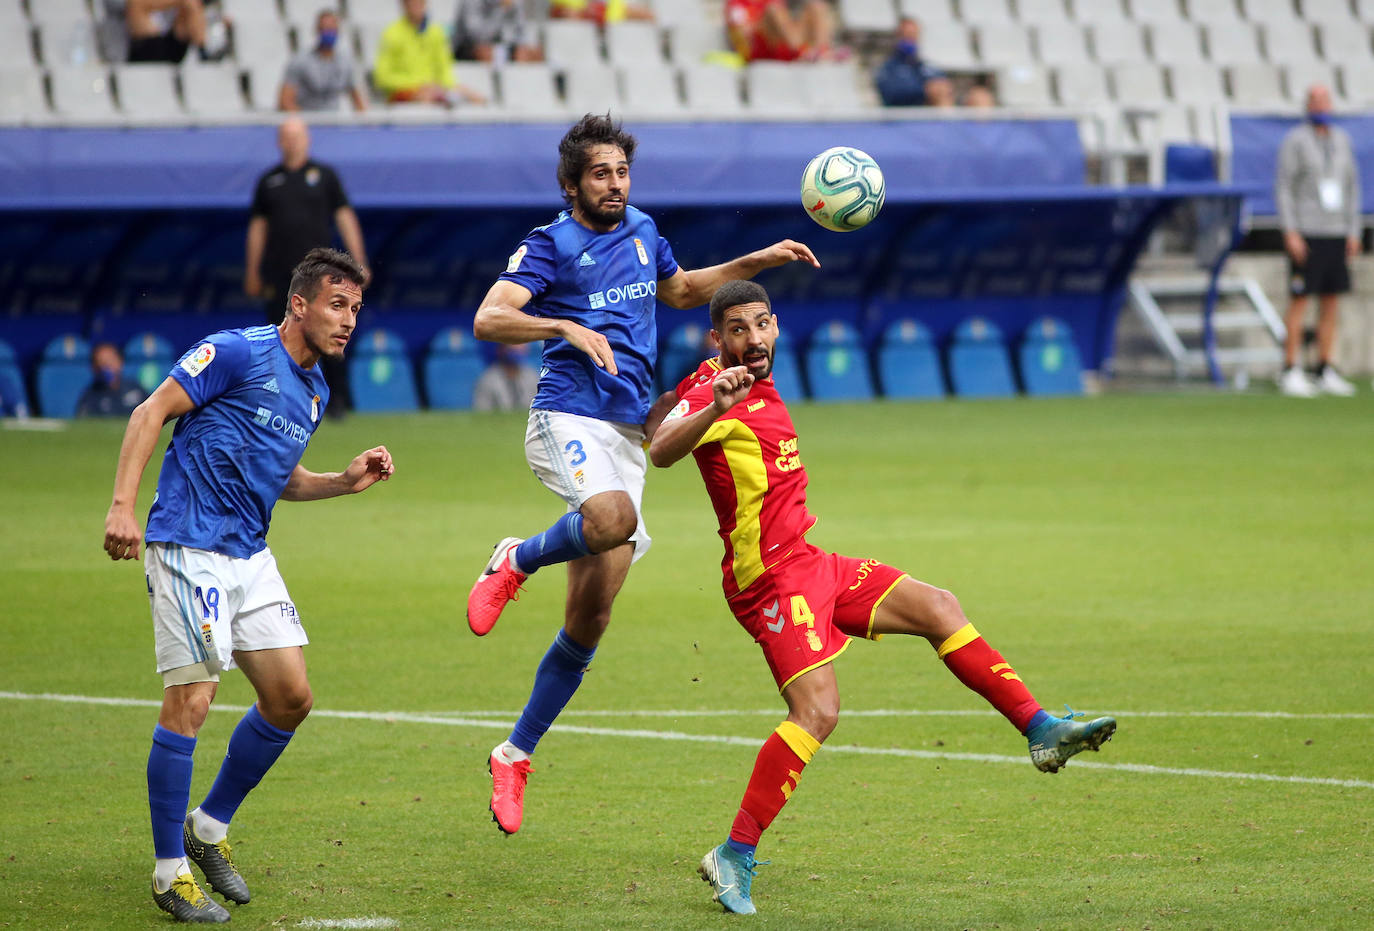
(296,207)
(1317,190)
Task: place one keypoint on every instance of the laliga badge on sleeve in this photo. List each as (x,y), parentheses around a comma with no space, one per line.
(199,358)
(516,258)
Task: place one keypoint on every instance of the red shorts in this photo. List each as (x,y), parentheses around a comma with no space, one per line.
(803,611)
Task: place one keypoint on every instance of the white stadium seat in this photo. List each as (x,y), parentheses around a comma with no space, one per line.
(1287,45)
(528,88)
(570,41)
(1024,86)
(1042,13)
(1232,45)
(1175,43)
(868,15)
(634,43)
(1357,82)
(58,12)
(771,87)
(1155,12)
(690,43)
(1299,76)
(1214,12)
(1097,11)
(1275,12)
(709,89)
(1061,44)
(1004,43)
(1138,85)
(591,87)
(148,91)
(650,89)
(832,88)
(984,12)
(1081,85)
(22,98)
(1327,11)
(212,90)
(1118,43)
(1197,82)
(927,11)
(1256,84)
(478,76)
(82,93)
(947,45)
(1343,44)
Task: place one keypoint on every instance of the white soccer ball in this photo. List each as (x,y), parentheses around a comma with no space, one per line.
(843,189)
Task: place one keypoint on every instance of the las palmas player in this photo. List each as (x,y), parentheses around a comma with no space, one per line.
(587,285)
(246,403)
(798,602)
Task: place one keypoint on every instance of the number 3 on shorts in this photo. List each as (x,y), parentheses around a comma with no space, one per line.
(578,456)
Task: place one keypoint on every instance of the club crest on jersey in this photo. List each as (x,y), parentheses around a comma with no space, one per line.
(199,358)
(516,258)
(639,249)
(315,409)
(312,177)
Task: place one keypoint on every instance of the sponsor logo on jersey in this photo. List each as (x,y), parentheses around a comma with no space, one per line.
(289,428)
(585,261)
(639,249)
(199,358)
(516,258)
(272,386)
(789,460)
(635,290)
(263,416)
(757,405)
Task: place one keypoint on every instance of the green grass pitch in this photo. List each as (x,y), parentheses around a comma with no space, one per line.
(1198,565)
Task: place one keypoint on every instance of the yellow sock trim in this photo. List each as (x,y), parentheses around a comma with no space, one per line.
(802,743)
(960,638)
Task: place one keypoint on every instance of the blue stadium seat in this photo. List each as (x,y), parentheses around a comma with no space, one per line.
(683,351)
(14,399)
(786,373)
(836,365)
(978,363)
(908,362)
(380,376)
(148,357)
(1049,359)
(63,374)
(451,368)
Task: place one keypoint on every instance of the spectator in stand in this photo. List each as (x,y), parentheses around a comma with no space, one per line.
(980,97)
(164,30)
(906,79)
(108,394)
(508,384)
(319,78)
(600,12)
(415,62)
(495,31)
(777,30)
(1317,191)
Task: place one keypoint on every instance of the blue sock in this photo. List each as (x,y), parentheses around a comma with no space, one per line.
(560,543)
(1040,717)
(559,675)
(169,789)
(253,748)
(738,847)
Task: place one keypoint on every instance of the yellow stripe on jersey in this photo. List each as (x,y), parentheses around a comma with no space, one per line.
(744,457)
(960,638)
(800,742)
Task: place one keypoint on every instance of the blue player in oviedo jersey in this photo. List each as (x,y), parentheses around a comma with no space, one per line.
(246,403)
(588,285)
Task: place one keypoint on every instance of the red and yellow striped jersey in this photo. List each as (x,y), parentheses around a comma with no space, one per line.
(753,473)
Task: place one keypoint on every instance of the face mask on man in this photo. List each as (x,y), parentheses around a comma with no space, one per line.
(1320,118)
(907,48)
(328,38)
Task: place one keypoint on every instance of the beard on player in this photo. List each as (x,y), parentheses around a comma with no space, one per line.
(607,211)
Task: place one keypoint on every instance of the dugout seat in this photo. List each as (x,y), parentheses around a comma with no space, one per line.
(380,376)
(683,351)
(978,363)
(908,363)
(14,399)
(451,368)
(836,365)
(1048,359)
(63,374)
(148,357)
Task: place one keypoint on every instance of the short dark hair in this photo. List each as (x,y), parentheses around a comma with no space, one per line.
(592,130)
(733,294)
(320,264)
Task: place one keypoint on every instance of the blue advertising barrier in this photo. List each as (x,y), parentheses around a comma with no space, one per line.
(1255,144)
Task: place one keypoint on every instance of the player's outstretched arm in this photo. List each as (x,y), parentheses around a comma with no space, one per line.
(367,469)
(694,288)
(501,319)
(123,532)
(657,411)
(677,435)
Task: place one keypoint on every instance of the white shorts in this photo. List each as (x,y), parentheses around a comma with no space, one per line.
(577,457)
(206,605)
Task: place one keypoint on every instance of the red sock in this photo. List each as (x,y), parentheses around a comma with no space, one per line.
(983,669)
(777,771)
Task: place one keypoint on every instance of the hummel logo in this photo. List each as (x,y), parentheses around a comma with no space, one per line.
(770,613)
(755,406)
(272,386)
(585,261)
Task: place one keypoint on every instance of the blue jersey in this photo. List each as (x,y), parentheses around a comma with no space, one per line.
(231,456)
(606,282)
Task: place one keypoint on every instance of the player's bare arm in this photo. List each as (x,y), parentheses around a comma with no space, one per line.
(693,288)
(678,436)
(123,532)
(367,469)
(501,319)
(657,411)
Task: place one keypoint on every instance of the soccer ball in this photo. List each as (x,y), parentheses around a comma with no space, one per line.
(842,189)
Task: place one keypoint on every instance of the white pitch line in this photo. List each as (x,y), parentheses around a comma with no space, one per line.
(725,740)
(347,923)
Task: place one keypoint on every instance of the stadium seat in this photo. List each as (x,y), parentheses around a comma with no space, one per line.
(16,45)
(1256,84)
(786,373)
(984,12)
(82,93)
(1155,12)
(1300,75)
(476,75)
(380,376)
(1288,45)
(451,368)
(836,364)
(378,12)
(1336,12)
(1061,44)
(1340,45)
(908,362)
(1024,86)
(772,87)
(1138,85)
(591,87)
(1048,13)
(1081,85)
(672,12)
(830,87)
(570,42)
(1004,43)
(682,352)
(1220,13)
(63,374)
(949,43)
(1176,42)
(1357,82)
(58,12)
(148,357)
(22,98)
(1118,43)
(1234,44)
(1272,13)
(14,399)
(634,43)
(1098,11)
(264,85)
(1048,359)
(213,90)
(528,88)
(649,89)
(265,45)
(694,42)
(711,89)
(1197,82)
(148,92)
(877,16)
(978,364)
